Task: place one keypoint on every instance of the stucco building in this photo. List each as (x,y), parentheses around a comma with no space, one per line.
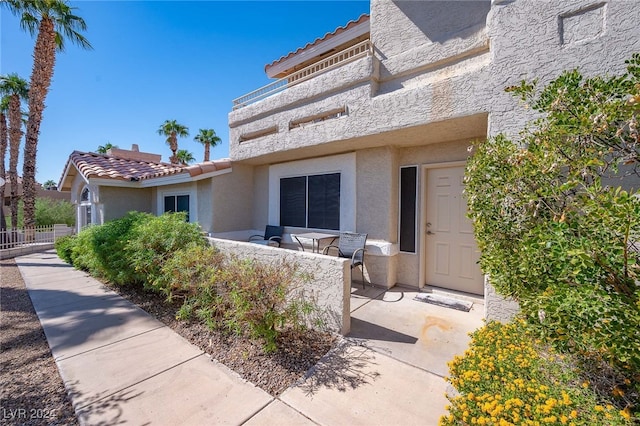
(367,129)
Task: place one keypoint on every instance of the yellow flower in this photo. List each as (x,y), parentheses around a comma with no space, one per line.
(599,408)
(626,413)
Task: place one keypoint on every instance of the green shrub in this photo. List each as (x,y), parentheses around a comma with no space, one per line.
(109,242)
(156,239)
(551,232)
(508,377)
(50,212)
(262,299)
(188,269)
(64,247)
(83,255)
(241,297)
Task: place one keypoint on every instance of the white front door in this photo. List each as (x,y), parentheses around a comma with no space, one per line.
(451,250)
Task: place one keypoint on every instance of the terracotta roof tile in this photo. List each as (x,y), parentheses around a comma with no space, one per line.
(364,17)
(92,165)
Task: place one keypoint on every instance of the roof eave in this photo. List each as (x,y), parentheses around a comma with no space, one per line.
(330,41)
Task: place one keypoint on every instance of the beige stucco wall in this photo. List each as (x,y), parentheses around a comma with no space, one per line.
(205,205)
(232,199)
(330,285)
(376,189)
(261,197)
(117,201)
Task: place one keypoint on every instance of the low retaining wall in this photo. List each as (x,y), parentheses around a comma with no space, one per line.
(24,250)
(330,277)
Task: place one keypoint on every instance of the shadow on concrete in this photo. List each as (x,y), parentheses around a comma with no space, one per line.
(347,366)
(47,265)
(107,407)
(369,331)
(70,320)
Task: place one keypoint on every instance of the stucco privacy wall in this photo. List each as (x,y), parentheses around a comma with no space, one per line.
(118,201)
(330,284)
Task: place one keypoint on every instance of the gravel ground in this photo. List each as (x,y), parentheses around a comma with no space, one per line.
(32,392)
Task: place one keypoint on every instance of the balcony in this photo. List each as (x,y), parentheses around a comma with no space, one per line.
(350,54)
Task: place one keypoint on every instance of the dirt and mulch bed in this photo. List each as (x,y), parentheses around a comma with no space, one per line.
(32,392)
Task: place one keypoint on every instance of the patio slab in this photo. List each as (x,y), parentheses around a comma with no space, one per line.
(112,368)
(74,337)
(358,386)
(278,413)
(60,277)
(421,334)
(103,305)
(360,296)
(196,392)
(49,298)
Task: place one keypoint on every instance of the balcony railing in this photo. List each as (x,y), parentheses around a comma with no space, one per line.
(360,50)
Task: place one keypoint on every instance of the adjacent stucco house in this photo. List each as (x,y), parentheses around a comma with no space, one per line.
(367,129)
(107,186)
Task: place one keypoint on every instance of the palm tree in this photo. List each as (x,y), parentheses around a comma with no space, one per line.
(209,139)
(185,157)
(172,129)
(102,149)
(49,185)
(4,141)
(17,89)
(52,21)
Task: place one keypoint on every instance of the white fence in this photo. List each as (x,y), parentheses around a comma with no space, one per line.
(16,241)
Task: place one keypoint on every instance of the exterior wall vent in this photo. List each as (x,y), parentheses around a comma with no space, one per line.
(317,118)
(258,133)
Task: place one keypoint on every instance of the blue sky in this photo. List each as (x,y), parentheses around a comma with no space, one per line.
(158,60)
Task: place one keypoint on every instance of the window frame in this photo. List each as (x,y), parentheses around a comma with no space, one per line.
(190,191)
(334,216)
(416,182)
(345,164)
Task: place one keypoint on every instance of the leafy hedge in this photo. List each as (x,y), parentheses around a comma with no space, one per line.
(167,255)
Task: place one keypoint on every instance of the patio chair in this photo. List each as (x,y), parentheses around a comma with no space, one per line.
(351,245)
(272,236)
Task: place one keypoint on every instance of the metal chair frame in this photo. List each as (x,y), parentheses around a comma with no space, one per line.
(351,245)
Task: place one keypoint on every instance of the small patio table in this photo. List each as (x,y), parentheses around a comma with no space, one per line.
(315,238)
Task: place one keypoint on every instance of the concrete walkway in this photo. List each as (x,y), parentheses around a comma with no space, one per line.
(121,366)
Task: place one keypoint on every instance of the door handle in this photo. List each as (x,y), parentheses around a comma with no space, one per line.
(431,233)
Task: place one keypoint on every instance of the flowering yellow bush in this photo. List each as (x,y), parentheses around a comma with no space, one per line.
(507,377)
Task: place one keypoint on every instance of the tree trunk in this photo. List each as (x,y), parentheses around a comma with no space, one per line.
(206,152)
(4,143)
(15,134)
(44,59)
(3,174)
(173,145)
